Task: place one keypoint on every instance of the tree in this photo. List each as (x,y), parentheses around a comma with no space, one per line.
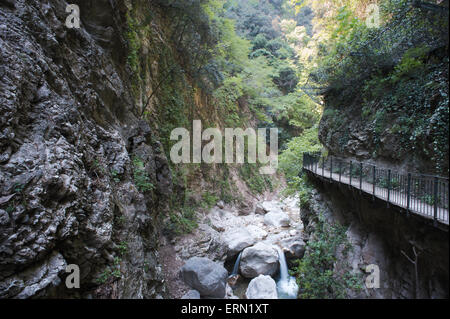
(286,80)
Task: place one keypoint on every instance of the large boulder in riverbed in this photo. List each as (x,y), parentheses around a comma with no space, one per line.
(205,276)
(257,232)
(261,259)
(277,219)
(293,247)
(259,209)
(262,287)
(246,209)
(237,239)
(271,206)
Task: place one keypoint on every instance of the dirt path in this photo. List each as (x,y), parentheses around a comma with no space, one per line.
(171,264)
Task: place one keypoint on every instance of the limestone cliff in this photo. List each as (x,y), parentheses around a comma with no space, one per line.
(69,134)
(382,236)
(86,116)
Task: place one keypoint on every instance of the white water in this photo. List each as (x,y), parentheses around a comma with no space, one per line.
(236,265)
(287,287)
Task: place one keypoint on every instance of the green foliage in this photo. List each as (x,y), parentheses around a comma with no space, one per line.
(256,182)
(396,74)
(115,176)
(428,199)
(98,167)
(123,248)
(141,177)
(315,272)
(110,272)
(259,42)
(134,43)
(286,80)
(291,159)
(209,199)
(269,78)
(304,191)
(18,188)
(184,222)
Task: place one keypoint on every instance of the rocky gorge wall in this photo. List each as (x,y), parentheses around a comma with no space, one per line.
(378,235)
(71,144)
(86,116)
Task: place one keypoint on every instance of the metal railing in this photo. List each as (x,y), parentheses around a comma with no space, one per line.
(420,194)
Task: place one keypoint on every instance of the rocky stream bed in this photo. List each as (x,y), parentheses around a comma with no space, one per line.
(265,238)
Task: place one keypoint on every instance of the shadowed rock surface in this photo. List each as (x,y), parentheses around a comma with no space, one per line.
(205,276)
(68,136)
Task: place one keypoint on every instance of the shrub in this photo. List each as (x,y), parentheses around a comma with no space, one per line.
(141,178)
(315,273)
(181,223)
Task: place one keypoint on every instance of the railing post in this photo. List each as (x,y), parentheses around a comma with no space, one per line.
(389,187)
(360,175)
(435,200)
(331,167)
(374,180)
(351,167)
(323,166)
(408,198)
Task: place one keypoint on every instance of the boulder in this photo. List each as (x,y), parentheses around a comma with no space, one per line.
(246,209)
(237,239)
(221,204)
(232,280)
(205,276)
(191,294)
(230,293)
(259,209)
(293,247)
(221,219)
(257,232)
(261,259)
(262,287)
(206,242)
(277,219)
(271,206)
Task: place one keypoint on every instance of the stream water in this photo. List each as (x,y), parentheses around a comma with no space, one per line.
(287,287)
(236,265)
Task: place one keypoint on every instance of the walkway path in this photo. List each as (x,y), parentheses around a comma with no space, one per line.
(397,198)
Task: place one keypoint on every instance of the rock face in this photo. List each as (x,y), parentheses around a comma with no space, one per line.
(378,235)
(259,209)
(205,276)
(271,206)
(69,131)
(293,247)
(277,219)
(257,232)
(207,243)
(36,280)
(261,259)
(246,209)
(262,287)
(237,239)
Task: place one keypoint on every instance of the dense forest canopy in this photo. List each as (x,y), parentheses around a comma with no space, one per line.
(289,59)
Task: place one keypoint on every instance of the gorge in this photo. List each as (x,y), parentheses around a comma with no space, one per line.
(87,177)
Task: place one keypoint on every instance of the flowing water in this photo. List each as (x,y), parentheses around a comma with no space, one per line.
(236,265)
(287,287)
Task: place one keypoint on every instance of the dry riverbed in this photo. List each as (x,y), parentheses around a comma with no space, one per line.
(225,231)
